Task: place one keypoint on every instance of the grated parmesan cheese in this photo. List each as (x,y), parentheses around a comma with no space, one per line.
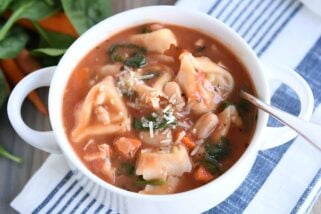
(91,141)
(180,137)
(151,129)
(196,149)
(167,108)
(165,141)
(199,142)
(183,124)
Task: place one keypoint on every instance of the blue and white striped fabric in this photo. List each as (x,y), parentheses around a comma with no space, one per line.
(285,179)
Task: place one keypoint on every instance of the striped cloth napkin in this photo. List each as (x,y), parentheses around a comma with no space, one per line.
(285,179)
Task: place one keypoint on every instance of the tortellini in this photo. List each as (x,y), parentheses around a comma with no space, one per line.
(159,164)
(158,41)
(111,115)
(204,82)
(226,118)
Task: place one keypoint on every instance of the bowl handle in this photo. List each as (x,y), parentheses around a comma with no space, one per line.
(280,135)
(43,140)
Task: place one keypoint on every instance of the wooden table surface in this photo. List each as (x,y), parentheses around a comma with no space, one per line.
(13,176)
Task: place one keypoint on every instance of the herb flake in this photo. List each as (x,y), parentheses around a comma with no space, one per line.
(155,182)
(214,153)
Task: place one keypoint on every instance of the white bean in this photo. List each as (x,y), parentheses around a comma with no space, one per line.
(205,125)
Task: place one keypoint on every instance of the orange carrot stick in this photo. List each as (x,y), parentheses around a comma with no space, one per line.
(27,62)
(58,22)
(188,142)
(202,174)
(127,146)
(15,74)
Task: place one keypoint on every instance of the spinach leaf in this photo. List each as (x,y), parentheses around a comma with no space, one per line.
(48,51)
(155,182)
(53,39)
(136,61)
(85,13)
(218,150)
(3,89)
(158,121)
(214,153)
(4,153)
(129,54)
(138,125)
(244,109)
(223,105)
(13,43)
(4,4)
(243,106)
(33,10)
(127,169)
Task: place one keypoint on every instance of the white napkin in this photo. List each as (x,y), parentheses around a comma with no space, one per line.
(283,179)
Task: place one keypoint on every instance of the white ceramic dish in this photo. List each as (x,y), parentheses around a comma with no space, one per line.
(193,201)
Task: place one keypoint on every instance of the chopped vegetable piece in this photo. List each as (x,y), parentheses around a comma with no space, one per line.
(215,153)
(202,174)
(245,108)
(146,30)
(136,61)
(127,169)
(149,75)
(9,156)
(156,182)
(188,142)
(127,146)
(219,150)
(223,105)
(129,54)
(158,121)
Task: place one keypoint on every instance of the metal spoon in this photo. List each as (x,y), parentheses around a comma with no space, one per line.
(308,130)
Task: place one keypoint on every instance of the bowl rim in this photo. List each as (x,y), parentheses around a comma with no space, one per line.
(55,108)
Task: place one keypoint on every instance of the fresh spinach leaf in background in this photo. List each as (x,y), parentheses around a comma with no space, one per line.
(85,13)
(13,43)
(33,10)
(48,51)
(3,89)
(4,4)
(53,39)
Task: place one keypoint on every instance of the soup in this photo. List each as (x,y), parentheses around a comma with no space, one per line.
(155,109)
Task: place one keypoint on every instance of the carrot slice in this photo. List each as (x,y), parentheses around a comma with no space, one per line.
(27,62)
(127,146)
(15,74)
(202,174)
(188,142)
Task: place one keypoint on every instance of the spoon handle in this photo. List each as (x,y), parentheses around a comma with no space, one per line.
(308,130)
